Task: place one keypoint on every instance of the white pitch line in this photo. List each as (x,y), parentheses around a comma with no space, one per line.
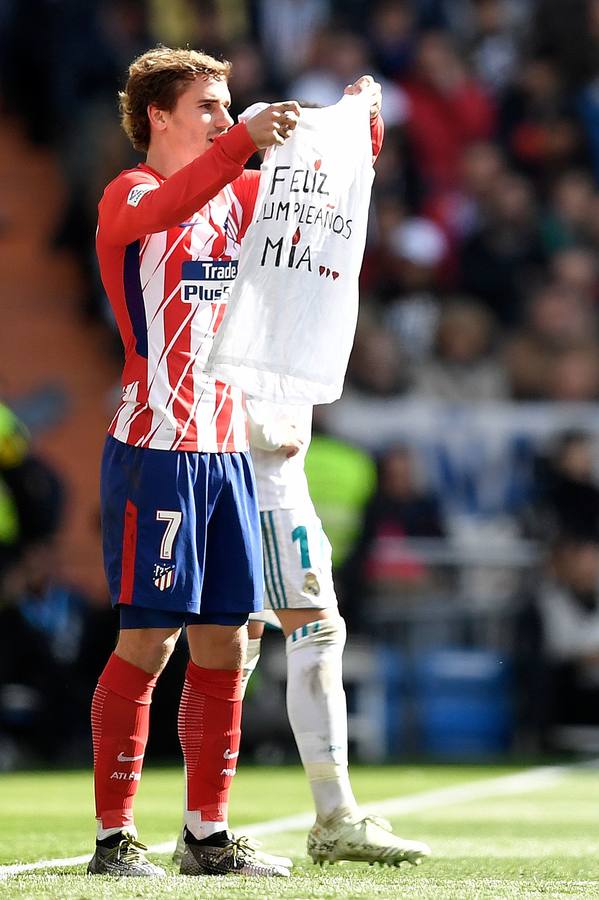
(529,780)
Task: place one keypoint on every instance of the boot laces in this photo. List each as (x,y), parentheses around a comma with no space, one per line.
(240,848)
(130,850)
(379,821)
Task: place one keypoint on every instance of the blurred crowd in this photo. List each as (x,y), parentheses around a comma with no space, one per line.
(469,415)
(480,278)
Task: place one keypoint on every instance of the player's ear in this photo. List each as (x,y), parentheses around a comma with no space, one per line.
(157,117)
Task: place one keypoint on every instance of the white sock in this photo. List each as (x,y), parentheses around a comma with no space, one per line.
(317,712)
(201,830)
(251,661)
(103,833)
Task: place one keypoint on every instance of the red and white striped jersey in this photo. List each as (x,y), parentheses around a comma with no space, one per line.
(168,251)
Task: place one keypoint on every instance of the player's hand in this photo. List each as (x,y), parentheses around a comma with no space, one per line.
(292,448)
(367,84)
(292,443)
(274,124)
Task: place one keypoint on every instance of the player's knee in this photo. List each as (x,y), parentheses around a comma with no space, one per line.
(292,619)
(218,646)
(255,630)
(331,630)
(147,648)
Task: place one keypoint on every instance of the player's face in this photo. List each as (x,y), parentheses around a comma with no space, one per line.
(201,114)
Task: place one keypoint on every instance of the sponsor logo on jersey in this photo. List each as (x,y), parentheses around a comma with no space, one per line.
(228,754)
(136,193)
(207,280)
(311,585)
(126,776)
(228,772)
(163,577)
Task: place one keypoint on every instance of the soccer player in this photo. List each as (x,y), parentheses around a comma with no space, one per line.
(181,529)
(300,592)
(180,520)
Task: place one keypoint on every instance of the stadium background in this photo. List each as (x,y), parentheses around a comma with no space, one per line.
(458,475)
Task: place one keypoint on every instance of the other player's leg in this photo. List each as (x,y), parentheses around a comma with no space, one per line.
(315,636)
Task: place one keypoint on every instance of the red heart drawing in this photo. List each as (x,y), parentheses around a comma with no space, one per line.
(317,164)
(321,269)
(328,272)
(335,276)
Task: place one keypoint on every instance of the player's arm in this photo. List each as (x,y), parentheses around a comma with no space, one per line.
(137,204)
(270,431)
(377,133)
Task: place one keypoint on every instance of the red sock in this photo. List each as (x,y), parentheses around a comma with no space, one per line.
(120,725)
(210,732)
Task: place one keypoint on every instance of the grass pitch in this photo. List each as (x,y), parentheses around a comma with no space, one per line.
(539,843)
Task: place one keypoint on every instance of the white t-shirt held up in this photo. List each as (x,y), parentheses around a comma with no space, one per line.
(291,318)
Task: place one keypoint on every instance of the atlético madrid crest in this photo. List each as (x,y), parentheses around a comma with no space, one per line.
(163,576)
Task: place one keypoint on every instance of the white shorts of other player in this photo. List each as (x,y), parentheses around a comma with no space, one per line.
(297,560)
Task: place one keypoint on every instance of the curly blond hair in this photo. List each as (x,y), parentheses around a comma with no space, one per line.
(158,78)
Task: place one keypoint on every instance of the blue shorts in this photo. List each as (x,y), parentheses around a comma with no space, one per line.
(181,531)
(142,617)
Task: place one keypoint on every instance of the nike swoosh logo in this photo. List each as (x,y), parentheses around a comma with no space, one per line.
(228,755)
(122,758)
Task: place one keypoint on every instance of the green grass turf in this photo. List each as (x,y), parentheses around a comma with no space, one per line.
(541,844)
